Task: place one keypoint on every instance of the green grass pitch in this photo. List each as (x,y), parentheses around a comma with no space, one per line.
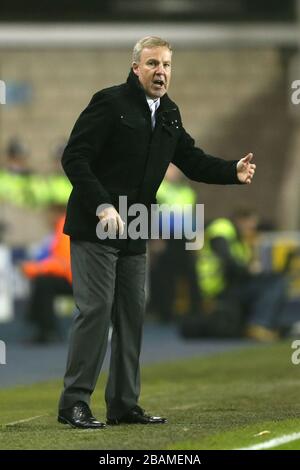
(219,402)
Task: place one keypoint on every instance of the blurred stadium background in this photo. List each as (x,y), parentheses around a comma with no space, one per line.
(233,66)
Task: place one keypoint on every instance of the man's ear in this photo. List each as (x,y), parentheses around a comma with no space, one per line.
(135,68)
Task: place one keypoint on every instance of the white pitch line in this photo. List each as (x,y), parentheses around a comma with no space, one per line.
(24,420)
(277,441)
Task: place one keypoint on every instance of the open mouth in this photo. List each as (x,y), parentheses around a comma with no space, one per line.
(159,83)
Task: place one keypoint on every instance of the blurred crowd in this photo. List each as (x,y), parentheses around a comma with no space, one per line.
(45,264)
(22,186)
(226,289)
(234,286)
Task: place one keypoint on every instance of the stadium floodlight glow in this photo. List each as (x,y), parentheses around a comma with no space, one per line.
(2,92)
(2,353)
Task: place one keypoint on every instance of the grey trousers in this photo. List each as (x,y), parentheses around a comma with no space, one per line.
(108,286)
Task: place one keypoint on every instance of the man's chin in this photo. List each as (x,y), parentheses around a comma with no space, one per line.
(158,93)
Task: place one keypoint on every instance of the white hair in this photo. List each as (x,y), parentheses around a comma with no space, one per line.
(148,41)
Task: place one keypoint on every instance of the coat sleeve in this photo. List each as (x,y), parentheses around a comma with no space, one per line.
(91,131)
(201,167)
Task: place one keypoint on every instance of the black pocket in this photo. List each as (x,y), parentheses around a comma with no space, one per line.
(127,123)
(132,122)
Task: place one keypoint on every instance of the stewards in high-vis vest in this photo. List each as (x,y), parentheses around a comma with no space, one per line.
(33,190)
(211,268)
(225,272)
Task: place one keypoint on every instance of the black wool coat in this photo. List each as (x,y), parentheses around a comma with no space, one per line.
(113,151)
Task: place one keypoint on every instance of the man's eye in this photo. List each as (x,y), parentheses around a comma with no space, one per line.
(167,65)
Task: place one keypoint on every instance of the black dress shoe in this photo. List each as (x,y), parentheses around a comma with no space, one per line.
(136,416)
(79,416)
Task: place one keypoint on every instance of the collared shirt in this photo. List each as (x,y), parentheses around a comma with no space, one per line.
(153,105)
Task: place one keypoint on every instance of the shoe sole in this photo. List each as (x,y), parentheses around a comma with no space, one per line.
(62,420)
(65,421)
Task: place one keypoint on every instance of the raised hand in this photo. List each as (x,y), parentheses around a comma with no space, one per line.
(246,169)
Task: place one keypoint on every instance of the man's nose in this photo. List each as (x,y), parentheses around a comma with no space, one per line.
(160,69)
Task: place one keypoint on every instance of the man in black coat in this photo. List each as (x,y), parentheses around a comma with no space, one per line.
(121,145)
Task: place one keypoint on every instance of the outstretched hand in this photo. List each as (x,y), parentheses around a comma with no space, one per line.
(246,169)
